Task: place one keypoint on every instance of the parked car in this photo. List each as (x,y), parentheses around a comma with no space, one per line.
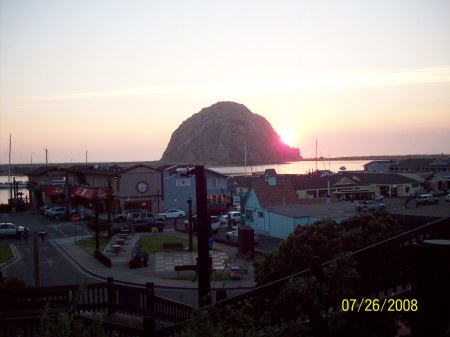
(141,217)
(122,217)
(215,223)
(50,209)
(57,212)
(425,199)
(370,206)
(148,227)
(235,217)
(9,229)
(378,197)
(224,219)
(44,208)
(172,213)
(234,236)
(447,197)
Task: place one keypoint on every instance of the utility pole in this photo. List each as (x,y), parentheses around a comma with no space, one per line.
(97,238)
(203,263)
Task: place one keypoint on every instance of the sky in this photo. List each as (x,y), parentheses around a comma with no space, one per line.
(111,80)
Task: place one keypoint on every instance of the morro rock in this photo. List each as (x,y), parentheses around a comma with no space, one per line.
(220,133)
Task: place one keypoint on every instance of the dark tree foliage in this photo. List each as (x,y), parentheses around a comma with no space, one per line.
(301,309)
(325,239)
(103,225)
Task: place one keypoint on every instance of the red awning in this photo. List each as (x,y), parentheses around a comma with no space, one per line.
(54,190)
(90,193)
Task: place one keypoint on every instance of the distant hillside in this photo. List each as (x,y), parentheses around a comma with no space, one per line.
(218,134)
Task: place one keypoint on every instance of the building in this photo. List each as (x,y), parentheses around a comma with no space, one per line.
(421,165)
(273,208)
(181,187)
(378,166)
(107,187)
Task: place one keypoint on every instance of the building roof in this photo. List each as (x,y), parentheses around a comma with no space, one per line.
(246,181)
(422,163)
(320,210)
(314,181)
(280,194)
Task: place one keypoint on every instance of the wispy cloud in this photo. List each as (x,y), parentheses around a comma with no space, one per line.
(316,81)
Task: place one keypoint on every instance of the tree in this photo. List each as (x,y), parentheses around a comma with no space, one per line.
(325,239)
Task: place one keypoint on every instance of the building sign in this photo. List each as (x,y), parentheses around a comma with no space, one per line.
(180,182)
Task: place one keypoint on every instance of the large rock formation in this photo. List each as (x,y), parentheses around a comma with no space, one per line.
(218,134)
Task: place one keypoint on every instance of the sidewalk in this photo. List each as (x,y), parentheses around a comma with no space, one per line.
(160,269)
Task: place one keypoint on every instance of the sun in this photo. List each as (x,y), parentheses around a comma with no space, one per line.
(287,135)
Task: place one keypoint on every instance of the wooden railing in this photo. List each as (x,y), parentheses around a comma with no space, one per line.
(385,269)
(104,298)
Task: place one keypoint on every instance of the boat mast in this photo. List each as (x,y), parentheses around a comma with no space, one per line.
(9,161)
(245,156)
(316,155)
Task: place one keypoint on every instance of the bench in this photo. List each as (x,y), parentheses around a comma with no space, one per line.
(172,246)
(181,267)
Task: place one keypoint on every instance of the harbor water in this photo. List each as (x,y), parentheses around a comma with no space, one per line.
(297,167)
(5,193)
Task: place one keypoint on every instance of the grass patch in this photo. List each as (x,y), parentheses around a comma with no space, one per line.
(6,253)
(220,276)
(154,243)
(88,244)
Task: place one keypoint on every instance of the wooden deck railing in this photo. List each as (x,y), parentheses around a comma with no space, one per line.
(385,268)
(105,298)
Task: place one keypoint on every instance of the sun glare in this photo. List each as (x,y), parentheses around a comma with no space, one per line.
(287,136)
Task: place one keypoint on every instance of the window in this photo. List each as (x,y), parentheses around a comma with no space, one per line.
(260,214)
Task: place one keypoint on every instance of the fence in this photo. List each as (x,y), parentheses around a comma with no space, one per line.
(106,299)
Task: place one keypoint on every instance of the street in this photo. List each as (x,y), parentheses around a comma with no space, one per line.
(54,267)
(58,269)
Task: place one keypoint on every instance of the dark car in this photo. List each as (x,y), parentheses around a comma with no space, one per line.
(148,227)
(122,217)
(144,221)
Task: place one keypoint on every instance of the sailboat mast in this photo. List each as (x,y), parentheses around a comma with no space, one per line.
(245,156)
(9,161)
(316,155)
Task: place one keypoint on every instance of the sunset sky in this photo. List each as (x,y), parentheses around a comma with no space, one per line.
(116,78)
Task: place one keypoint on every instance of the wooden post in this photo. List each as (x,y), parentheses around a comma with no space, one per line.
(112,300)
(37,278)
(149,315)
(204,268)
(190,224)
(97,228)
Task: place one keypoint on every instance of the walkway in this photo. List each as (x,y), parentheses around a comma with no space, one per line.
(161,265)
